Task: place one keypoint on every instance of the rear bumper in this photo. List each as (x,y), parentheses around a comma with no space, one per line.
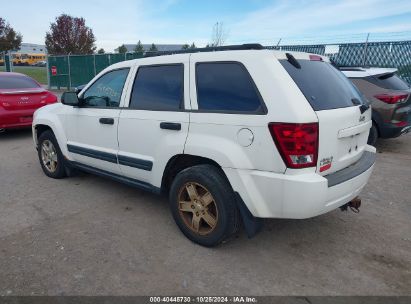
(388,130)
(16,119)
(273,195)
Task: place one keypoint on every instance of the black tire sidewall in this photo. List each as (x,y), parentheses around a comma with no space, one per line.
(209,177)
(60,171)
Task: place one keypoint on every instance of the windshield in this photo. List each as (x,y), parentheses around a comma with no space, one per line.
(323,85)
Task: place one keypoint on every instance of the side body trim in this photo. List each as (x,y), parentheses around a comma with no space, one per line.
(112,158)
(122,179)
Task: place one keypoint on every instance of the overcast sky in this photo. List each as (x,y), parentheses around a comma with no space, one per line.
(186,21)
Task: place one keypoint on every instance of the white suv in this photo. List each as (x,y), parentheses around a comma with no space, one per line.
(232,135)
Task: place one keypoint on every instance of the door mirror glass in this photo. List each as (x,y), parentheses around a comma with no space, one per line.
(70,99)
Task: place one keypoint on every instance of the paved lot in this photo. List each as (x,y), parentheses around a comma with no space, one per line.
(91,236)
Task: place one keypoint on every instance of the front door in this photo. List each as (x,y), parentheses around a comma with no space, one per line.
(92,128)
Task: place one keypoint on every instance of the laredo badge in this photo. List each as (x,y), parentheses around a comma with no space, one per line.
(325,163)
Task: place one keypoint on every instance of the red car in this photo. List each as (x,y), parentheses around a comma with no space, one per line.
(20,96)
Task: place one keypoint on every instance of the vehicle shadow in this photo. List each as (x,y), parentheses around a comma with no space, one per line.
(14,134)
(400,145)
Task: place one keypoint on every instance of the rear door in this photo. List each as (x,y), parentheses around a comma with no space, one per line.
(154,124)
(344,119)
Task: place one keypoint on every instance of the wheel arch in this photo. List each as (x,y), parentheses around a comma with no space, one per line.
(42,125)
(180,162)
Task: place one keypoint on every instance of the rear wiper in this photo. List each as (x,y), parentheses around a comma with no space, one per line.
(357,102)
(291,59)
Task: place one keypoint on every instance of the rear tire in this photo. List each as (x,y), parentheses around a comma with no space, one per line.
(50,156)
(373,136)
(203,205)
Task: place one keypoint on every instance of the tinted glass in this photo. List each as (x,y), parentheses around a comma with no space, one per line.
(389,81)
(17,82)
(226,87)
(323,85)
(106,91)
(158,88)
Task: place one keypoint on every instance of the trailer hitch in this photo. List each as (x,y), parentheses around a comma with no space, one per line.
(354,205)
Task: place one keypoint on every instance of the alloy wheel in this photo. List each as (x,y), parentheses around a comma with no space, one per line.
(197,208)
(49,156)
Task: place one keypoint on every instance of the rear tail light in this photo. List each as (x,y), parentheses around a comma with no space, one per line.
(392,98)
(401,123)
(297,143)
(51,98)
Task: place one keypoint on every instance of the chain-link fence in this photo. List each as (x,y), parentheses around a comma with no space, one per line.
(372,54)
(74,70)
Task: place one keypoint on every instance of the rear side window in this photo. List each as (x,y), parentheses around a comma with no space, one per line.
(323,85)
(17,82)
(389,81)
(158,88)
(226,87)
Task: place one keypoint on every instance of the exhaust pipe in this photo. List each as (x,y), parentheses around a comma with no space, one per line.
(354,205)
(2,130)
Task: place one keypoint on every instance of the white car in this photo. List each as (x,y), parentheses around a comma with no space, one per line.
(231,135)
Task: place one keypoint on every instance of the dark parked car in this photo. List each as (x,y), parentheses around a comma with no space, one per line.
(389,96)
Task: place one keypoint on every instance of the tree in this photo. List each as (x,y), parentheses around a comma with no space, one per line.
(101,51)
(122,49)
(70,35)
(139,49)
(185,46)
(193,46)
(9,38)
(219,34)
(153,48)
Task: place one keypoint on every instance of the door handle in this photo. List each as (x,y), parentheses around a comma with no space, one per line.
(170,126)
(106,121)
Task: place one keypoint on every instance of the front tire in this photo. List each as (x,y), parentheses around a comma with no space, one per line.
(203,205)
(373,136)
(50,156)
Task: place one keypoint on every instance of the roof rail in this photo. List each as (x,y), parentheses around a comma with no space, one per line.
(249,46)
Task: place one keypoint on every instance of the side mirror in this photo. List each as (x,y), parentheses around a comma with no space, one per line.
(70,99)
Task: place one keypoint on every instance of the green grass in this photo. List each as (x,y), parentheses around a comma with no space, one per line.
(37,73)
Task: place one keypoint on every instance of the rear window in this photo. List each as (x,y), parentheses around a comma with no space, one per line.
(17,82)
(389,81)
(323,85)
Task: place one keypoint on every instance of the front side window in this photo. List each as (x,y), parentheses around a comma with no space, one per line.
(158,88)
(226,87)
(106,91)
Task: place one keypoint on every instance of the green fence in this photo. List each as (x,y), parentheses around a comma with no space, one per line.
(73,70)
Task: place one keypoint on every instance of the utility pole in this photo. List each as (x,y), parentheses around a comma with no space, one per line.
(8,62)
(278,43)
(365,51)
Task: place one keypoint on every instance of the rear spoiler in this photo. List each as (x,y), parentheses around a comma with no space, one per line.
(23,91)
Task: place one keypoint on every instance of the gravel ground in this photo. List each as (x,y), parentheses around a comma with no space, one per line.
(91,236)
